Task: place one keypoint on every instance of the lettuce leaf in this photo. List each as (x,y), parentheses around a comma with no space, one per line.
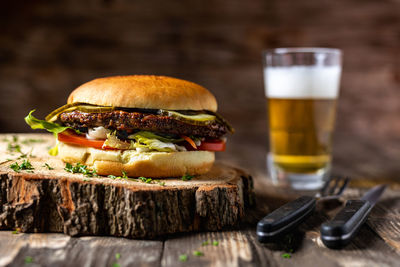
(154,144)
(142,139)
(53,151)
(42,124)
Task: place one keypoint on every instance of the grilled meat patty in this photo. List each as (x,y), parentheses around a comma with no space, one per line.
(130,121)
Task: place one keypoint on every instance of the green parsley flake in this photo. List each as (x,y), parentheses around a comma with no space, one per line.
(15,167)
(286,255)
(23,156)
(14,148)
(159,182)
(28,259)
(116,265)
(215,243)
(183,257)
(80,168)
(198,253)
(16,231)
(31,141)
(113,177)
(205,243)
(25,165)
(145,180)
(48,166)
(117,256)
(124,176)
(187,177)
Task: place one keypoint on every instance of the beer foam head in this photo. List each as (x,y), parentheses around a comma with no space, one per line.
(302,81)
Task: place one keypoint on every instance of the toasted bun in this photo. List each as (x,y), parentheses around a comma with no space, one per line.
(145,91)
(135,164)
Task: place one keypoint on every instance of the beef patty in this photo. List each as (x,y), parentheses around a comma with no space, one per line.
(129,121)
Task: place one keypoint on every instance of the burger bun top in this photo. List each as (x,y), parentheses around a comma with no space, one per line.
(144,91)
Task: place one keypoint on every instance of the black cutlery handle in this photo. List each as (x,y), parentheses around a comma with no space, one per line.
(339,232)
(285,218)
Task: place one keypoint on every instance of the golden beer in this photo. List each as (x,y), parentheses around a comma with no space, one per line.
(302,88)
(301,133)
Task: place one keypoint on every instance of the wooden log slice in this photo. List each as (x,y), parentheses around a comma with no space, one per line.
(58,201)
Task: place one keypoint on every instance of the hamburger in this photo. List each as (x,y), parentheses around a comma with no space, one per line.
(142,125)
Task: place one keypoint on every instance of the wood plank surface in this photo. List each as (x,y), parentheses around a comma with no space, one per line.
(62,250)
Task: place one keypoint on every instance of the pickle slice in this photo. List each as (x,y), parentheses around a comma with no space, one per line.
(222,120)
(77,106)
(198,119)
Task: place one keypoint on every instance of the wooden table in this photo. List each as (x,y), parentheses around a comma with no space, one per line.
(377,244)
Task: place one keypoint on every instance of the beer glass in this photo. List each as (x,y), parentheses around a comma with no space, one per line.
(301,89)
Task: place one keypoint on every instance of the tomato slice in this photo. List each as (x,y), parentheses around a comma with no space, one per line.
(212,145)
(71,138)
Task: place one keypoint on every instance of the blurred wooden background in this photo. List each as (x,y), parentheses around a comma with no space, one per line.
(47,48)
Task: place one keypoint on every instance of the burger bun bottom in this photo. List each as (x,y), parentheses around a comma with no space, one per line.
(135,164)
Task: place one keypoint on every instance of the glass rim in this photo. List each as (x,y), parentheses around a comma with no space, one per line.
(311,50)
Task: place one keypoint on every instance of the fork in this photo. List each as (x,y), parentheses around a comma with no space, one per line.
(289,216)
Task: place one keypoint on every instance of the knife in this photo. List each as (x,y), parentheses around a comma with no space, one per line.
(339,232)
(285,219)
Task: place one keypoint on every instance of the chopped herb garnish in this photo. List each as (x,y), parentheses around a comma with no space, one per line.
(14,148)
(31,140)
(205,243)
(198,253)
(25,165)
(28,259)
(48,166)
(23,156)
(117,256)
(145,180)
(15,167)
(141,179)
(80,168)
(286,255)
(215,243)
(15,138)
(187,177)
(183,257)
(16,231)
(116,265)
